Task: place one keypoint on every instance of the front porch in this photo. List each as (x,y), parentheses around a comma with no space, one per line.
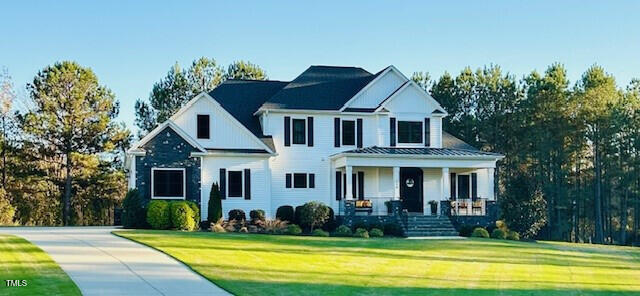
(400,184)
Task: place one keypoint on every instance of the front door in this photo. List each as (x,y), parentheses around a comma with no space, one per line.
(411,189)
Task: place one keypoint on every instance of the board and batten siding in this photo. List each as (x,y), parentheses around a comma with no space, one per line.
(375,93)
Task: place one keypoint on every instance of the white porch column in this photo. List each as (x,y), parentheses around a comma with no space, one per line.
(349,185)
(446,184)
(396,183)
(490,184)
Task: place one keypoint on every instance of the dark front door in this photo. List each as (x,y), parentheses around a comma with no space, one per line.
(411,189)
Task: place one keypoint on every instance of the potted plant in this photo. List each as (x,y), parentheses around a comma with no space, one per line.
(434,207)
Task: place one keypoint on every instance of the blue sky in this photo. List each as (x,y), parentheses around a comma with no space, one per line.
(131,44)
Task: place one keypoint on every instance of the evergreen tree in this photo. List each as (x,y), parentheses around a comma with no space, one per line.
(214,207)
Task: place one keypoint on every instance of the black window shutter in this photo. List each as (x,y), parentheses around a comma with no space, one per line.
(427,132)
(474,186)
(312,180)
(287,131)
(223,184)
(338,185)
(392,132)
(287,180)
(359,132)
(361,185)
(336,132)
(344,187)
(310,131)
(353,185)
(453,185)
(247,184)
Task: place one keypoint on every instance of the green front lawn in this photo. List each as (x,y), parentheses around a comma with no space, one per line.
(250,264)
(21,260)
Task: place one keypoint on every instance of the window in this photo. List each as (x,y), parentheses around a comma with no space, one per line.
(235,183)
(168,183)
(410,132)
(203,126)
(299,132)
(299,180)
(348,132)
(463,186)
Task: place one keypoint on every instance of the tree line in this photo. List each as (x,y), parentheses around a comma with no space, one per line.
(572,168)
(61,149)
(571,171)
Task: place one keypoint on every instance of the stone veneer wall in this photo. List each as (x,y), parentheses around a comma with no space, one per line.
(168,150)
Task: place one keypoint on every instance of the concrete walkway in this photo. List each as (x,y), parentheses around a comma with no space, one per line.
(101,263)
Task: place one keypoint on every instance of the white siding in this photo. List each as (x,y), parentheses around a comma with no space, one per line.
(224,133)
(260,189)
(436,132)
(375,93)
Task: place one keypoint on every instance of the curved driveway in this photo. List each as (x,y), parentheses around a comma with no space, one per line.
(101,263)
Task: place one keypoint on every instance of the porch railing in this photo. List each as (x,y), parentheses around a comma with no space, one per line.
(465,207)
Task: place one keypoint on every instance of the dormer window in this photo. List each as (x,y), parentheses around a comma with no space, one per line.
(410,132)
(348,132)
(203,126)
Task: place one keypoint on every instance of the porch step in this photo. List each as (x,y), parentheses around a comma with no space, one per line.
(429,226)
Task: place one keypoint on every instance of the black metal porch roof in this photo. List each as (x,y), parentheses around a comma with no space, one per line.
(421,151)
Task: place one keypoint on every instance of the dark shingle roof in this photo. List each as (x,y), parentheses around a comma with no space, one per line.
(421,151)
(449,141)
(241,98)
(321,88)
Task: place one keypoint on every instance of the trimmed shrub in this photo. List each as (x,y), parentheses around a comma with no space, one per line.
(491,227)
(513,235)
(498,234)
(7,211)
(376,232)
(257,216)
(218,226)
(360,225)
(466,230)
(158,215)
(238,215)
(314,214)
(480,232)
(331,223)
(343,230)
(297,214)
(293,229)
(133,213)
(214,207)
(285,213)
(181,216)
(375,225)
(361,232)
(320,232)
(392,229)
(244,230)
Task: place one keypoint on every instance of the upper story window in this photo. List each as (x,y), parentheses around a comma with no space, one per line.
(299,131)
(203,126)
(410,132)
(348,132)
(300,180)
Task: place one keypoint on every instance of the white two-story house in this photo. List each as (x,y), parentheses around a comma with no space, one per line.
(332,134)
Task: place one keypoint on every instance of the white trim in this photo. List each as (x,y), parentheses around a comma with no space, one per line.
(232,154)
(372,82)
(184,183)
(403,87)
(225,113)
(311,111)
(160,128)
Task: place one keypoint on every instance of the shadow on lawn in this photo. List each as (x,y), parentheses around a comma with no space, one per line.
(271,288)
